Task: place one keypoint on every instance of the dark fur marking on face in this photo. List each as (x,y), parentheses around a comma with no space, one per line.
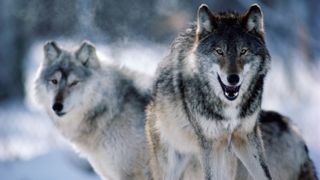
(231,23)
(65,66)
(59,97)
(231,34)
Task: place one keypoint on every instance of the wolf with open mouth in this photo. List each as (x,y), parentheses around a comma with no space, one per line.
(207,98)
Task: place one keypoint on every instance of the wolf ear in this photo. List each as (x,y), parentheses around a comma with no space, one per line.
(254,19)
(51,51)
(204,20)
(87,55)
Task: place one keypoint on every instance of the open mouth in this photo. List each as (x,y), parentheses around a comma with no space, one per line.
(230,92)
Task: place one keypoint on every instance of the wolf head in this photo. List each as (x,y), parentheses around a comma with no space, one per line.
(63,73)
(229,48)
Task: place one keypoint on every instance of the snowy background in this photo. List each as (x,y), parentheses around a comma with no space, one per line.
(137,35)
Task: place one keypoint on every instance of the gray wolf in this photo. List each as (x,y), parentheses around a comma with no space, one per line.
(98,108)
(207,98)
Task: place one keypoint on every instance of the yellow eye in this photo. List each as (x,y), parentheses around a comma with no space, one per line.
(243,51)
(219,51)
(54,81)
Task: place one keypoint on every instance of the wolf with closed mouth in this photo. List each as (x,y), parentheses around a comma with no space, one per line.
(98,108)
(207,98)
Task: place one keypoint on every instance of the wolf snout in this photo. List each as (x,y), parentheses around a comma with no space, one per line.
(57,108)
(233,79)
(231,91)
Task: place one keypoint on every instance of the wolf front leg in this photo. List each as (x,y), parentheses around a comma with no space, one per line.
(168,164)
(218,163)
(206,163)
(165,162)
(250,150)
(211,165)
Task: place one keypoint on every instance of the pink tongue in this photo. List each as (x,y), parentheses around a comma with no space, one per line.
(230,88)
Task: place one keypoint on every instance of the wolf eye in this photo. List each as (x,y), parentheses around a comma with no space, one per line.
(54,81)
(74,83)
(219,51)
(243,51)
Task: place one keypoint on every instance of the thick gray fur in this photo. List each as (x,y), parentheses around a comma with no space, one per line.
(191,115)
(102,111)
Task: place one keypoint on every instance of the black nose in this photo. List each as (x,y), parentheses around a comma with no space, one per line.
(57,107)
(233,79)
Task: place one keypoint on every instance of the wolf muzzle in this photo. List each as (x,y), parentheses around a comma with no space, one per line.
(58,104)
(57,108)
(230,92)
(233,79)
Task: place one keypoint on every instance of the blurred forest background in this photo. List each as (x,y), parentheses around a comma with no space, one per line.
(138,34)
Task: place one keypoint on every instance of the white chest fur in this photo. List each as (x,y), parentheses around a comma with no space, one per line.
(217,129)
(176,130)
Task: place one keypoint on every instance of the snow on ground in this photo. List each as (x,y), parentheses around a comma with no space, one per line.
(52,165)
(30,148)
